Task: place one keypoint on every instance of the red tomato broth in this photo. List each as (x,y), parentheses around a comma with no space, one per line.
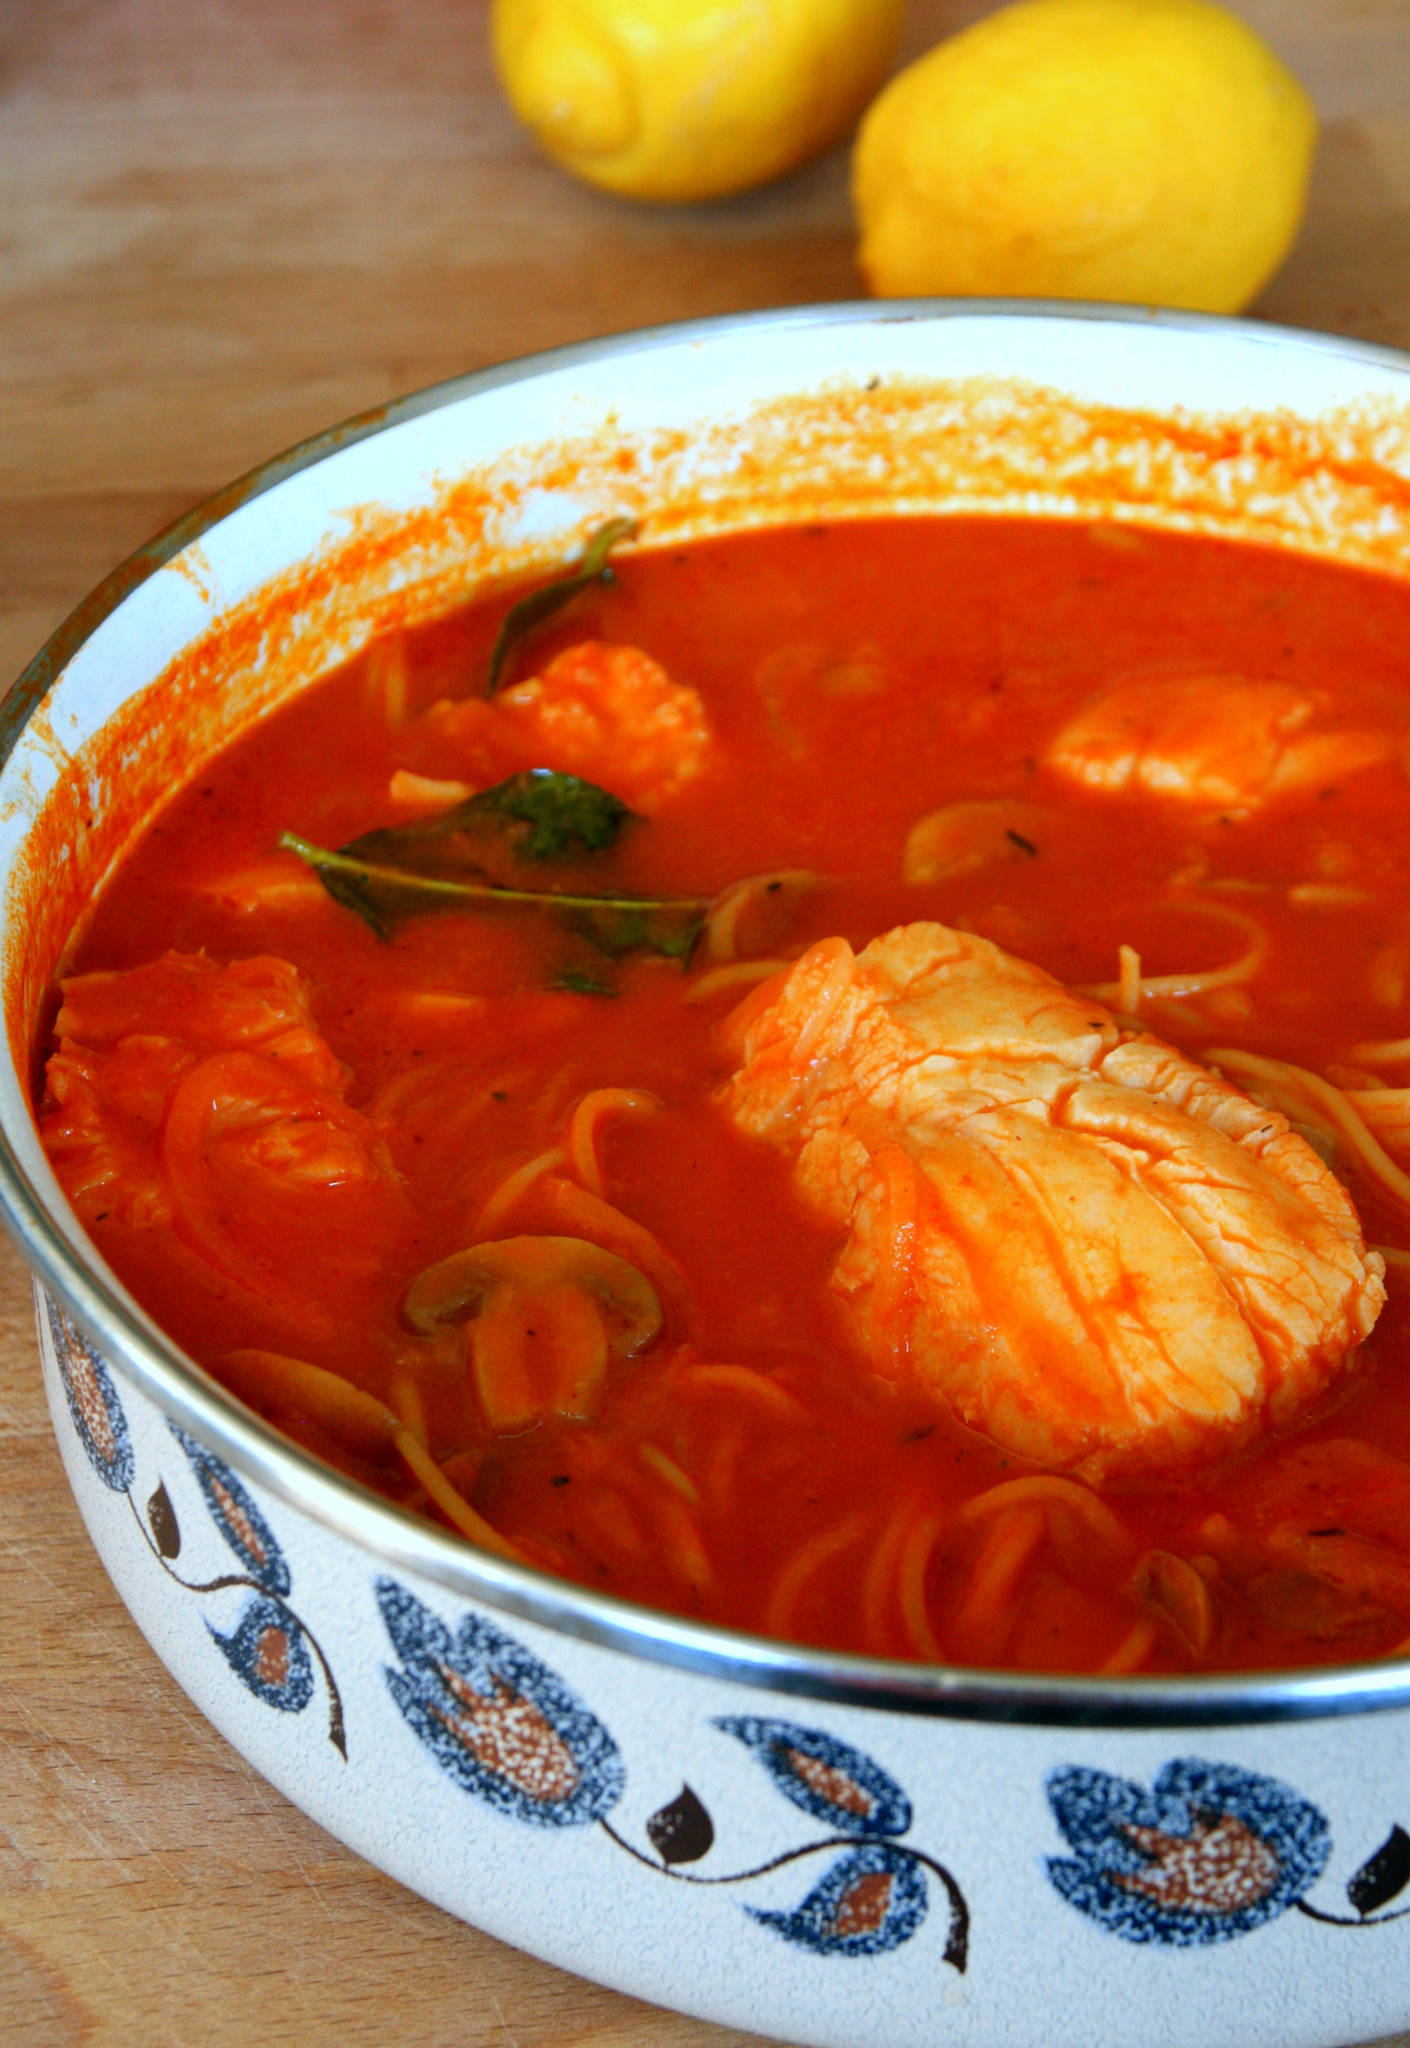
(855,677)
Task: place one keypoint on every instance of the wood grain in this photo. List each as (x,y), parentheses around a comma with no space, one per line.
(224,224)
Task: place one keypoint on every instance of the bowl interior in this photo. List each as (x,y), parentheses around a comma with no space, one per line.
(1079,414)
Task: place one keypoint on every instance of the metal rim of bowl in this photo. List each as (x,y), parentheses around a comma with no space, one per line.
(392,1535)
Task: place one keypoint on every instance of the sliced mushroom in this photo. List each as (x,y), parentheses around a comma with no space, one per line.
(965,836)
(546,1316)
(1177,1595)
(754,915)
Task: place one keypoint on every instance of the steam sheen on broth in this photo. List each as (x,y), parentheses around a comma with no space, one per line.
(477,1203)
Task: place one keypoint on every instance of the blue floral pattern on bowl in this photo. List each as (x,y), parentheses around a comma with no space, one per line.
(237,1518)
(1209,1853)
(271,1650)
(93,1401)
(830,1780)
(869,1901)
(504,1726)
(511,1733)
(269,1656)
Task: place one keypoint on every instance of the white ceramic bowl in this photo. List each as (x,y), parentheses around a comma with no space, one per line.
(632,1796)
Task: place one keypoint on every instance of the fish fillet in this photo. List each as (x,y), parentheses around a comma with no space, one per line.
(1077,1240)
(1221,741)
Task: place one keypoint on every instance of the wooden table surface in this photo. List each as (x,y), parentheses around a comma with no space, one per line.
(223,224)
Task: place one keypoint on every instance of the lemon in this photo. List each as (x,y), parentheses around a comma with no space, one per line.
(690,99)
(1153,150)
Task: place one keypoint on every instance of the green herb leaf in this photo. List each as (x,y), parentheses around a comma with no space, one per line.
(381,893)
(538,815)
(668,925)
(531,611)
(575,981)
(349,889)
(562,813)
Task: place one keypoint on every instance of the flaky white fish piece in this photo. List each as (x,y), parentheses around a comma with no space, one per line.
(1076,1239)
(1228,742)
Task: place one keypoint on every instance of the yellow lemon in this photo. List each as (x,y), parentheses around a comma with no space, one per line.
(1153,150)
(690,99)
